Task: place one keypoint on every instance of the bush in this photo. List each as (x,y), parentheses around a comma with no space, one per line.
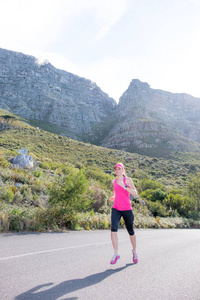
(153,195)
(69,191)
(180,203)
(17,198)
(15,218)
(37,173)
(44,165)
(99,175)
(99,198)
(151,184)
(6,194)
(193,188)
(195,215)
(3,162)
(158,194)
(27,194)
(38,186)
(157,209)
(91,220)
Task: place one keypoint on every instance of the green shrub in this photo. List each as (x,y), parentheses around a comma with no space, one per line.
(69,191)
(153,195)
(147,194)
(37,173)
(38,186)
(157,209)
(99,198)
(151,184)
(195,215)
(17,198)
(99,175)
(180,203)
(158,194)
(44,165)
(6,194)
(27,194)
(91,220)
(4,163)
(193,188)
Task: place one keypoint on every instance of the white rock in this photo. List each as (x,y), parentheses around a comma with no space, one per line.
(24,161)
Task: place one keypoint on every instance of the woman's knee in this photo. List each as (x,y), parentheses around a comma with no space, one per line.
(131,231)
(114,228)
(115,217)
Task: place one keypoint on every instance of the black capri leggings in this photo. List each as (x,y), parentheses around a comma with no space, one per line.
(128,217)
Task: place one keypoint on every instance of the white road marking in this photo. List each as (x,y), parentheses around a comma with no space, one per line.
(60,249)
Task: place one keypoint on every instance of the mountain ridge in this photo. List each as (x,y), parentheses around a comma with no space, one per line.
(155,122)
(147,121)
(42,92)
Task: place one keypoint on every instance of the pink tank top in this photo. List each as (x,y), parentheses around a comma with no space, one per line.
(122,198)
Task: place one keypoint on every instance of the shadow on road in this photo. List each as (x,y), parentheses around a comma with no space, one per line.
(68,286)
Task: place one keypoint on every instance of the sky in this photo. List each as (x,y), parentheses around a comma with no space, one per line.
(110,42)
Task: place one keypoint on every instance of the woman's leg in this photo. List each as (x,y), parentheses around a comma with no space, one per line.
(114,239)
(128,217)
(115,217)
(133,241)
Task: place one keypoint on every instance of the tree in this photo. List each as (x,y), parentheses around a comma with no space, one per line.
(6,122)
(153,195)
(151,184)
(68,191)
(183,205)
(193,188)
(157,209)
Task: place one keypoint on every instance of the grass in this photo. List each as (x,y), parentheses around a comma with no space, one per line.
(54,152)
(46,146)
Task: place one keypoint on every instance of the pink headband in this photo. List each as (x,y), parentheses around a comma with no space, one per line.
(118,165)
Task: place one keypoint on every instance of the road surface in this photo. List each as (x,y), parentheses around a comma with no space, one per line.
(76,265)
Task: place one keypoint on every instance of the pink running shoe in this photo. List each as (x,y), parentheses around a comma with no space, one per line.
(135,257)
(114,259)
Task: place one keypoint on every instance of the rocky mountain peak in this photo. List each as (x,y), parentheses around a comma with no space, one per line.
(146,120)
(39,91)
(155,122)
(137,84)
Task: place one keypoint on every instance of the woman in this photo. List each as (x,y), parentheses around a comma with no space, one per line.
(122,188)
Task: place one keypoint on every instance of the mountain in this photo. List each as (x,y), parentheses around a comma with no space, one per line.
(147,121)
(155,122)
(42,93)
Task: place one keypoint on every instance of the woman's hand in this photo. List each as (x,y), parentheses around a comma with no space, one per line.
(142,202)
(112,198)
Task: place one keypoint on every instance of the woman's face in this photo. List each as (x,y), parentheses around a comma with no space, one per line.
(118,171)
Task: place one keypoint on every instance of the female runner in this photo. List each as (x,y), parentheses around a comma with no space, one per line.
(122,188)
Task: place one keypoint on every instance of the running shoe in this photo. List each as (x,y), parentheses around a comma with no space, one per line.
(135,257)
(114,259)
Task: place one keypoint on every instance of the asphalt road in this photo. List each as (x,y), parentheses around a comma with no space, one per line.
(76,265)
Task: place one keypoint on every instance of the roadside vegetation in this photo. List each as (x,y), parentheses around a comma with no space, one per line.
(71,182)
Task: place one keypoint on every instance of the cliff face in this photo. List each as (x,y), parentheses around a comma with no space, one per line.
(155,122)
(146,120)
(42,92)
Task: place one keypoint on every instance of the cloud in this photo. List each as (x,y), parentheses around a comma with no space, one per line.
(42,24)
(108,13)
(28,23)
(71,36)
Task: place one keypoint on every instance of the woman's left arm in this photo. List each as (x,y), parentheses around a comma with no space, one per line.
(131,188)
